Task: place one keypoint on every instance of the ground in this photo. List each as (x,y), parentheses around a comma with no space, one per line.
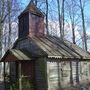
(75,87)
(78,87)
(1,86)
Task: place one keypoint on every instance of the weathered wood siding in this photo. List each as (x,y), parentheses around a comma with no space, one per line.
(24,25)
(29,45)
(28,69)
(10,58)
(40,74)
(83,68)
(28,75)
(30,24)
(36,25)
(25,43)
(13,71)
(58,74)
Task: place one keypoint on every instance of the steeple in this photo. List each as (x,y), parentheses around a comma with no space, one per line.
(33,9)
(31,21)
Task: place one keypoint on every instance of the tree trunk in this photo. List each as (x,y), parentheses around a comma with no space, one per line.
(83,24)
(73,33)
(36,2)
(9,20)
(60,18)
(47,17)
(2,10)
(0,41)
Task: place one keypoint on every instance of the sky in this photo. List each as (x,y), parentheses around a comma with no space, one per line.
(87,10)
(25,2)
(87,7)
(87,14)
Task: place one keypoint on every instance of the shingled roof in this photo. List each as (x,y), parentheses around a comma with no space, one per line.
(50,47)
(16,55)
(33,9)
(54,47)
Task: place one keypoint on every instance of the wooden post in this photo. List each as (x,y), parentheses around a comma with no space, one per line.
(59,74)
(71,72)
(4,76)
(77,71)
(48,76)
(46,79)
(20,78)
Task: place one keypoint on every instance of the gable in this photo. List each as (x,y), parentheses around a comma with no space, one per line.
(16,55)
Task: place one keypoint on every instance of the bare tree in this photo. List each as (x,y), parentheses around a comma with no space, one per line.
(83,25)
(3,15)
(59,17)
(36,2)
(7,16)
(72,16)
(47,17)
(72,10)
(9,6)
(63,1)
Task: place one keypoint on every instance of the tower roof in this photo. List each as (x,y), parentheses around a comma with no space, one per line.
(33,9)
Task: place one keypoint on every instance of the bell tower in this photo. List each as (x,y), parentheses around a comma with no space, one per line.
(31,22)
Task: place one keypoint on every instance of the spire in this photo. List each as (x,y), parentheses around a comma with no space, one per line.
(33,9)
(31,21)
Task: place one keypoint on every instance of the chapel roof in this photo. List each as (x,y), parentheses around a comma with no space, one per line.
(51,47)
(32,8)
(54,47)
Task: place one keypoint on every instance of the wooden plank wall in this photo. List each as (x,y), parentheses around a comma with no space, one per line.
(36,25)
(24,25)
(40,72)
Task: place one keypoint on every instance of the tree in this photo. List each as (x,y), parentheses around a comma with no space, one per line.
(63,1)
(59,17)
(36,2)
(9,3)
(3,16)
(47,17)
(8,14)
(73,13)
(83,25)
